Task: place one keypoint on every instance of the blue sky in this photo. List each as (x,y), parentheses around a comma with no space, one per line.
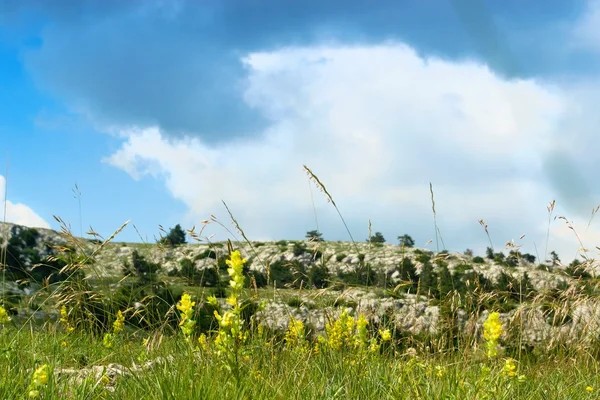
(158,110)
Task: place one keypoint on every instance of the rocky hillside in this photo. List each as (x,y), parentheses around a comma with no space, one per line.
(409,287)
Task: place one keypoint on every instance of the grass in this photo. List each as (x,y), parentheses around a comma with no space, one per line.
(271,371)
(224,351)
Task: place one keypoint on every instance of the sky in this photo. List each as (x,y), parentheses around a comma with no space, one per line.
(158,112)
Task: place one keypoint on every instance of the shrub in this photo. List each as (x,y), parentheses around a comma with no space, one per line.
(406,241)
(175,237)
(299,249)
(364,275)
(314,236)
(287,273)
(319,276)
(340,257)
(478,260)
(208,253)
(376,239)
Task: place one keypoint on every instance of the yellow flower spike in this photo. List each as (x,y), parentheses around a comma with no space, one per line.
(385,334)
(4,318)
(39,379)
(295,336)
(492,329)
(231,300)
(212,300)
(510,369)
(203,342)
(186,306)
(108,340)
(119,323)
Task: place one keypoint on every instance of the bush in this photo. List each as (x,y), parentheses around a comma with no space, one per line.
(314,236)
(376,239)
(144,270)
(175,237)
(478,260)
(208,253)
(319,276)
(287,273)
(406,241)
(364,275)
(340,257)
(299,249)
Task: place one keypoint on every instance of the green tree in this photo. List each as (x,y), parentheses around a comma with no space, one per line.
(377,238)
(489,253)
(428,280)
(554,258)
(141,268)
(176,236)
(406,241)
(314,236)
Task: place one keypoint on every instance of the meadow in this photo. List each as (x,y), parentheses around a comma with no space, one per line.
(150,335)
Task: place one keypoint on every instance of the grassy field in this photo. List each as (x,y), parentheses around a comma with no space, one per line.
(138,338)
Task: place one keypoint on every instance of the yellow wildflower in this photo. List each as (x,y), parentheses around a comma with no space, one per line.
(492,329)
(186,306)
(440,371)
(385,334)
(235,270)
(294,336)
(203,342)
(510,369)
(212,300)
(4,318)
(119,323)
(64,319)
(108,340)
(589,389)
(361,331)
(39,379)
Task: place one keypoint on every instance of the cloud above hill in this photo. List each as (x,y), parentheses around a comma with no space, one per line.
(377,124)
(18,213)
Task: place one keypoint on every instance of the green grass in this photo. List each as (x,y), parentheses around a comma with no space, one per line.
(271,371)
(153,359)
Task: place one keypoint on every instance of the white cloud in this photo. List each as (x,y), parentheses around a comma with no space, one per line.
(18,213)
(376,124)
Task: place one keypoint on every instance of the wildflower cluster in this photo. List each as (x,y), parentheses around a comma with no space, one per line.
(295,337)
(186,306)
(492,329)
(38,380)
(348,333)
(4,318)
(64,319)
(118,326)
(231,335)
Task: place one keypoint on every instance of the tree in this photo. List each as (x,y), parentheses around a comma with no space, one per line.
(529,257)
(143,269)
(314,236)
(406,241)
(428,280)
(377,238)
(489,253)
(554,258)
(175,237)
